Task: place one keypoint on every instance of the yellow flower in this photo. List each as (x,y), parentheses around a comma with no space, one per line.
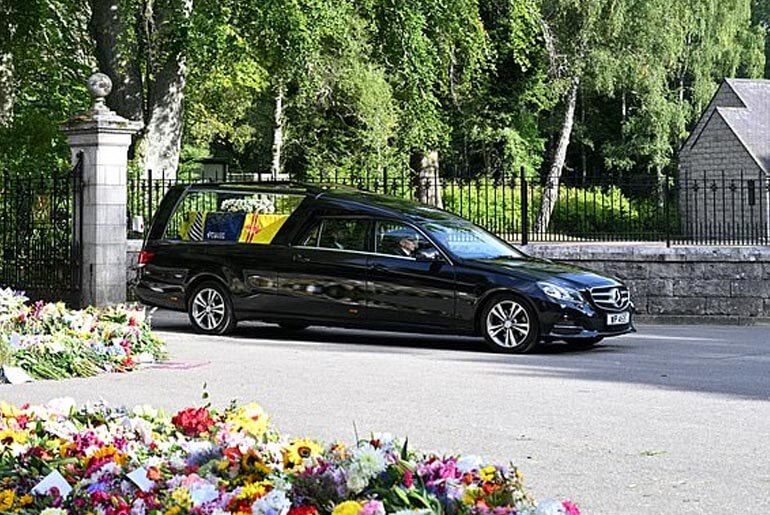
(471,495)
(181,496)
(8,410)
(253,467)
(25,500)
(250,419)
(299,450)
(6,499)
(109,452)
(176,510)
(253,491)
(487,473)
(347,508)
(9,436)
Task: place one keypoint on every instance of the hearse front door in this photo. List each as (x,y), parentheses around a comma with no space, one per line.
(325,275)
(410,282)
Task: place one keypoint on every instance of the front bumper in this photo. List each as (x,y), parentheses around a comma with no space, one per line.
(576,321)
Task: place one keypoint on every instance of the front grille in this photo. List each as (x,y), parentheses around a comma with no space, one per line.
(611,298)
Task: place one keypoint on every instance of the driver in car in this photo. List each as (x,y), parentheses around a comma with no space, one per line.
(407,246)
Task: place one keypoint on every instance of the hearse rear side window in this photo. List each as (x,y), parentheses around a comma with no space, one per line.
(338,234)
(228,216)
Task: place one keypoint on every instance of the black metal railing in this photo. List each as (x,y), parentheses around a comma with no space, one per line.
(39,236)
(704,208)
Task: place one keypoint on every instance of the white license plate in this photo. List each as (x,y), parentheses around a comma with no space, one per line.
(618,318)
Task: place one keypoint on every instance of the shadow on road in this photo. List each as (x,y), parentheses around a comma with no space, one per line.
(357,340)
(731,361)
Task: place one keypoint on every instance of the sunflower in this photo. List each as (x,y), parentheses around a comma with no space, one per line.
(6,499)
(298,451)
(253,468)
(250,419)
(108,452)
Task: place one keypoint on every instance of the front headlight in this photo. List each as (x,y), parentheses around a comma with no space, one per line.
(560,292)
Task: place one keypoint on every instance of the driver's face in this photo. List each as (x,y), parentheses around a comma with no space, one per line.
(409,245)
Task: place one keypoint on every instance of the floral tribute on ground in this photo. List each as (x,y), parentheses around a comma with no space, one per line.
(64,459)
(49,341)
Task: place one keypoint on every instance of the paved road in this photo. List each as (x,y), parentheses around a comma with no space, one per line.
(672,420)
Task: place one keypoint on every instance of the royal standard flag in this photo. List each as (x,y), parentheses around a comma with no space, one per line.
(259,228)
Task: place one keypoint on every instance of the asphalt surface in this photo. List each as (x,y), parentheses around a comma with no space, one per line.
(671,420)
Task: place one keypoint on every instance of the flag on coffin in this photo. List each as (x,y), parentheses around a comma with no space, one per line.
(261,228)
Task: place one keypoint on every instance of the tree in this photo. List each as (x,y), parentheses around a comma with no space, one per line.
(432,50)
(143,48)
(570,30)
(44,58)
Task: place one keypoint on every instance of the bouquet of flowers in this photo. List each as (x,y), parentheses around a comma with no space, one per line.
(49,341)
(253,204)
(62,459)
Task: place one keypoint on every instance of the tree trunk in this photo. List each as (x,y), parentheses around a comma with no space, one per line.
(661,186)
(551,191)
(428,187)
(278,133)
(7,93)
(118,56)
(162,138)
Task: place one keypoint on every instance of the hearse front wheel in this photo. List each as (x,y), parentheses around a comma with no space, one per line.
(210,309)
(509,325)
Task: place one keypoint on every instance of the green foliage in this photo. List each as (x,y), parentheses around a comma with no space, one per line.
(51,57)
(368,84)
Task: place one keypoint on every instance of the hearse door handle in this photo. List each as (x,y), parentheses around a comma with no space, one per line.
(299,258)
(378,268)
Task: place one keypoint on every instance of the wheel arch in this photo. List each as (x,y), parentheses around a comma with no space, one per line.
(199,278)
(491,295)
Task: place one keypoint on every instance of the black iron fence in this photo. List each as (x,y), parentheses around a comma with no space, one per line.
(693,209)
(40,234)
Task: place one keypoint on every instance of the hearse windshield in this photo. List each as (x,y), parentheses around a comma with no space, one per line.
(469,241)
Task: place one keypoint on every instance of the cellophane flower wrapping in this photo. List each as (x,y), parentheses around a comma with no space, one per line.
(206,461)
(50,341)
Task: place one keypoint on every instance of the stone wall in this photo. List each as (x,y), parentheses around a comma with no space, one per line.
(681,284)
(672,285)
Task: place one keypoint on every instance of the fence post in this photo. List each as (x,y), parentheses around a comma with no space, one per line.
(666,208)
(149,196)
(524,208)
(103,137)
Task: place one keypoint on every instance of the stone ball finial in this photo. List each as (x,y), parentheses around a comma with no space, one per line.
(99,85)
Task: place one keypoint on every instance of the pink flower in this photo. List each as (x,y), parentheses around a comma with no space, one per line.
(570,508)
(408,479)
(372,508)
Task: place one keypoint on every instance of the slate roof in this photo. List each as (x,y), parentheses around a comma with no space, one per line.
(751,124)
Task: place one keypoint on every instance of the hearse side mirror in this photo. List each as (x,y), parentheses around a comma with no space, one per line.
(430,254)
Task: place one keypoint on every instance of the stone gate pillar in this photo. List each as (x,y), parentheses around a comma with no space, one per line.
(103,137)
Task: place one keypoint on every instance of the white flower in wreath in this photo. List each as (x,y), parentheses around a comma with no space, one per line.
(253,204)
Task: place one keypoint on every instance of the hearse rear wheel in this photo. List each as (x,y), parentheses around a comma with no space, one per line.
(509,325)
(210,309)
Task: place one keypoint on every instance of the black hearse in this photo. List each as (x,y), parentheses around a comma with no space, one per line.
(299,255)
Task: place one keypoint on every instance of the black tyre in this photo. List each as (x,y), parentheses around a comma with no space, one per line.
(210,309)
(509,325)
(583,343)
(293,326)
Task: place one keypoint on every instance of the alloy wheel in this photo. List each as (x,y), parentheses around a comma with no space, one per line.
(208,309)
(508,324)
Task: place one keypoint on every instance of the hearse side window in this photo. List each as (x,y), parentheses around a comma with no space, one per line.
(397,239)
(337,233)
(230,216)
